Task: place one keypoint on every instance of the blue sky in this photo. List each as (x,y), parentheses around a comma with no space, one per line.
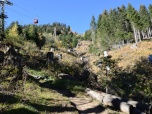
(76,13)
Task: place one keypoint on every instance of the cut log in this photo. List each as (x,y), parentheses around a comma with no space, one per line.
(115,102)
(95,95)
(101,94)
(137,111)
(140,106)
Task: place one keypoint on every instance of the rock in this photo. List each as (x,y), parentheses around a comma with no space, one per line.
(66,76)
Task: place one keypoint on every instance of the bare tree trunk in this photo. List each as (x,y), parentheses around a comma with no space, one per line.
(135,35)
(93,36)
(143,34)
(148,32)
(139,35)
(123,43)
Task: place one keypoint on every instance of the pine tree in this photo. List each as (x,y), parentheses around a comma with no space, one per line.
(134,17)
(92,26)
(113,21)
(75,41)
(105,32)
(93,23)
(99,21)
(150,11)
(68,28)
(123,25)
(150,15)
(145,21)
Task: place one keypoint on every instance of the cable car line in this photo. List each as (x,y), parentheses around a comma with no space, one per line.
(25,9)
(20,13)
(29,12)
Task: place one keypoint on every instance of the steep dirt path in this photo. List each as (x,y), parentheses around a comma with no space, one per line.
(84,105)
(87,106)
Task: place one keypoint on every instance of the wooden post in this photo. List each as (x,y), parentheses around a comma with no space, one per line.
(106,80)
(105,55)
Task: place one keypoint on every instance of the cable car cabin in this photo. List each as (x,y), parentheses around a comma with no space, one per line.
(35,20)
(61,31)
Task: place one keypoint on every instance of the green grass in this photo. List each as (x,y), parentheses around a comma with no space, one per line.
(68,84)
(36,99)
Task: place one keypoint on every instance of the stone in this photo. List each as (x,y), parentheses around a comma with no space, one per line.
(73,49)
(69,50)
(60,56)
(52,49)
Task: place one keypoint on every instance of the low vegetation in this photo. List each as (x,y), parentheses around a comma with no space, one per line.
(129,76)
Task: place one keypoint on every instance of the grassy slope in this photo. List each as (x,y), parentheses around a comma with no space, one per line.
(38,96)
(38,99)
(41,96)
(129,56)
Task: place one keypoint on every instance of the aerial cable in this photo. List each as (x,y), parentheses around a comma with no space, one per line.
(20,13)
(29,12)
(24,9)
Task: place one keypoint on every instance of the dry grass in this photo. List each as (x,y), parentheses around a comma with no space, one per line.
(129,56)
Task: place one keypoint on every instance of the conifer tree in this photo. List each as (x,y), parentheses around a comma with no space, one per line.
(145,21)
(92,26)
(75,41)
(99,21)
(150,11)
(133,16)
(113,21)
(104,30)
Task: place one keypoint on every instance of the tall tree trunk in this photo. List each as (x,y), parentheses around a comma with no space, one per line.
(123,43)
(142,34)
(92,36)
(139,35)
(148,33)
(135,34)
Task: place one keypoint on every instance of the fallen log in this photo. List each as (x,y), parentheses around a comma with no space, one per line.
(118,103)
(140,106)
(137,111)
(95,95)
